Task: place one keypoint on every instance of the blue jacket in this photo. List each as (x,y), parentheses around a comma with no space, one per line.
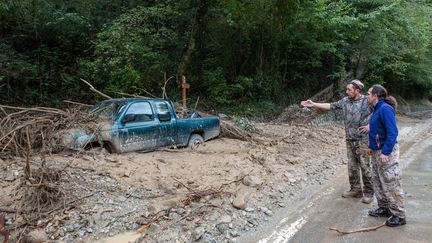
(382,128)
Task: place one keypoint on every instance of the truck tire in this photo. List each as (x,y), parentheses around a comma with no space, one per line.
(195,141)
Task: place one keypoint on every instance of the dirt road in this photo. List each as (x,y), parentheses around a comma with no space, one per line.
(309,221)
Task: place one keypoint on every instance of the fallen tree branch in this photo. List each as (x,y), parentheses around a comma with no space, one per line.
(195,196)
(147,222)
(235,181)
(164,94)
(344,232)
(10,210)
(95,90)
(40,109)
(145,91)
(131,95)
(10,140)
(76,103)
(190,189)
(192,211)
(69,203)
(196,103)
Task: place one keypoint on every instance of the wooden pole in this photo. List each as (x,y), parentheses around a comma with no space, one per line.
(184,92)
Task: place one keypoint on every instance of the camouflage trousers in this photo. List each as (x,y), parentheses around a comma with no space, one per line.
(359,166)
(387,182)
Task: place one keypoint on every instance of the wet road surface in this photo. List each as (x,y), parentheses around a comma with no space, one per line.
(311,220)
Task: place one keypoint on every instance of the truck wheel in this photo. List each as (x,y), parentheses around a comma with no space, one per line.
(195,141)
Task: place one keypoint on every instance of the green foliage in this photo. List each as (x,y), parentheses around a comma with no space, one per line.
(218,87)
(41,44)
(251,56)
(246,124)
(16,73)
(138,48)
(393,42)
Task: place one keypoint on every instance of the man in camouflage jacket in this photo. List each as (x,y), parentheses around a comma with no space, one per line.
(356,113)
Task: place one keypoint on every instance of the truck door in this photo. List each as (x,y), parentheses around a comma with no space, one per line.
(138,128)
(167,124)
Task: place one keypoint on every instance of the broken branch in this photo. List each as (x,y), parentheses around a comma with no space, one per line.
(131,95)
(196,103)
(164,94)
(344,232)
(190,189)
(95,90)
(76,103)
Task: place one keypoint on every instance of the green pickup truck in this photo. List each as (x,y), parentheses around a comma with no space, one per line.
(139,124)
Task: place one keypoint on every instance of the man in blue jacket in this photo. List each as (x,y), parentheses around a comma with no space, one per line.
(383,148)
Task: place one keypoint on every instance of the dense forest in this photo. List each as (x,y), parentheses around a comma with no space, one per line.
(254,52)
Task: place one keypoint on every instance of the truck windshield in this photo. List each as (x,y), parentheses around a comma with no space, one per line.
(108,109)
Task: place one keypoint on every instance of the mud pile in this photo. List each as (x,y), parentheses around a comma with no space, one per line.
(240,183)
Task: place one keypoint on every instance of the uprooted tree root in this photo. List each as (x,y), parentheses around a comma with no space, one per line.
(39,126)
(42,190)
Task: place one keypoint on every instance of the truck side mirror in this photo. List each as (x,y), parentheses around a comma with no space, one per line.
(128,118)
(164,116)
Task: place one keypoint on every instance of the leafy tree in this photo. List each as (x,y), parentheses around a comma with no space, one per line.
(232,52)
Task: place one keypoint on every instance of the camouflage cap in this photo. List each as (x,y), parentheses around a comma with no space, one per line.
(357,84)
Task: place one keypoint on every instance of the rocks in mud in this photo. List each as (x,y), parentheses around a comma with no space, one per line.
(252,181)
(253,222)
(198,233)
(167,187)
(36,236)
(222,228)
(225,219)
(267,211)
(249,209)
(208,238)
(234,233)
(240,200)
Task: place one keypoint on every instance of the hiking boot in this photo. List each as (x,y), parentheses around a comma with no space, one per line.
(367,199)
(394,221)
(380,212)
(352,193)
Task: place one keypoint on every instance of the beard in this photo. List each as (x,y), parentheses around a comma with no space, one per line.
(351,97)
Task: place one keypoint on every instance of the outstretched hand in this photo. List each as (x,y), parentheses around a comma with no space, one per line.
(307,103)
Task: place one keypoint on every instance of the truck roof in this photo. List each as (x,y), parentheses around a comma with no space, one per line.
(133,99)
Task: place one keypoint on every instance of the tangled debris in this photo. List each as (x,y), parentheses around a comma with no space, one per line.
(36,128)
(29,132)
(41,189)
(230,130)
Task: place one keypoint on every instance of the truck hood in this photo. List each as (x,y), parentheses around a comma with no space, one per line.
(78,138)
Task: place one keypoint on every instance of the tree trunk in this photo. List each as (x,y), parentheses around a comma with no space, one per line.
(356,70)
(197,27)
